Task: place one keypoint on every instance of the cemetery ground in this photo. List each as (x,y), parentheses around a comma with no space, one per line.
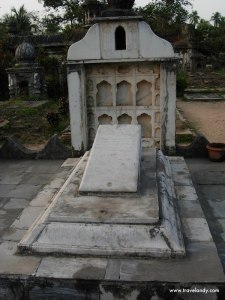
(27,188)
(32,122)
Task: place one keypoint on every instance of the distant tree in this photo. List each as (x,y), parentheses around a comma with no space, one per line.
(166,17)
(69,11)
(24,21)
(51,24)
(194,18)
(216,18)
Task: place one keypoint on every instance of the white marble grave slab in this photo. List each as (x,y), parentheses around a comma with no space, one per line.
(114,162)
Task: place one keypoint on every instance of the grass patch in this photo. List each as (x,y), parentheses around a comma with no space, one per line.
(29,124)
(184,138)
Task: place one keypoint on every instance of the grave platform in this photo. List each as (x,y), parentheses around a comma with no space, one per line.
(107,278)
(134,216)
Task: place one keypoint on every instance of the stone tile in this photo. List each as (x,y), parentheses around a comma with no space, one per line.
(76,268)
(190,209)
(222,223)
(45,166)
(3,201)
(182,179)
(44,197)
(213,191)
(196,229)
(186,193)
(11,177)
(56,183)
(16,203)
(24,191)
(6,189)
(8,218)
(13,234)
(218,207)
(202,265)
(113,269)
(70,162)
(211,177)
(28,216)
(37,179)
(15,264)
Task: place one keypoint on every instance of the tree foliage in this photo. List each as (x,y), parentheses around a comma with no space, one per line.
(25,22)
(66,11)
(166,16)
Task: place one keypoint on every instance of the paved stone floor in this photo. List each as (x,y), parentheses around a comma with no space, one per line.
(209,180)
(25,186)
(20,182)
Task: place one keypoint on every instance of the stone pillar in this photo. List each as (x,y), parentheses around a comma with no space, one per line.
(168,107)
(12,85)
(78,117)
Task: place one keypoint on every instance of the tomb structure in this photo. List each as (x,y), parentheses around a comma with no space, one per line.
(122,73)
(119,200)
(26,78)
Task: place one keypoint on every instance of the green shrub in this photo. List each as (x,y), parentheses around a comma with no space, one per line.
(181,84)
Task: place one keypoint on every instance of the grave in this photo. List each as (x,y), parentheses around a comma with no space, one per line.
(122,73)
(118,202)
(26,78)
(115,222)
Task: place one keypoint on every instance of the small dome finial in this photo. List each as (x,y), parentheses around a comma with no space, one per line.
(25,52)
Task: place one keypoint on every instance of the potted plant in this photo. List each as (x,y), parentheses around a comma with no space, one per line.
(216,151)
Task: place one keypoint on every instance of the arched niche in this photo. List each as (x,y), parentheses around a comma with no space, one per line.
(157,117)
(104,119)
(157,132)
(90,101)
(90,86)
(146,127)
(144,93)
(124,94)
(157,84)
(24,88)
(157,100)
(124,119)
(120,38)
(104,94)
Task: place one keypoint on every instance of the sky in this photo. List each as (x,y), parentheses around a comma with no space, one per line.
(205,8)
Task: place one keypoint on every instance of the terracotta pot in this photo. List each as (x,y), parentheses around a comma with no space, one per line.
(216,151)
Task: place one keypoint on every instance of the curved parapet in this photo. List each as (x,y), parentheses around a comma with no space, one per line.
(100,42)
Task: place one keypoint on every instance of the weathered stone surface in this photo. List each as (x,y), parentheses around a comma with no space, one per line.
(100,240)
(190,209)
(195,267)
(73,268)
(16,203)
(13,264)
(140,210)
(196,229)
(13,234)
(114,162)
(28,216)
(186,193)
(94,221)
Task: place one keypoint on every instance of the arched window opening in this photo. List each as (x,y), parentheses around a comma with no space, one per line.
(120,38)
